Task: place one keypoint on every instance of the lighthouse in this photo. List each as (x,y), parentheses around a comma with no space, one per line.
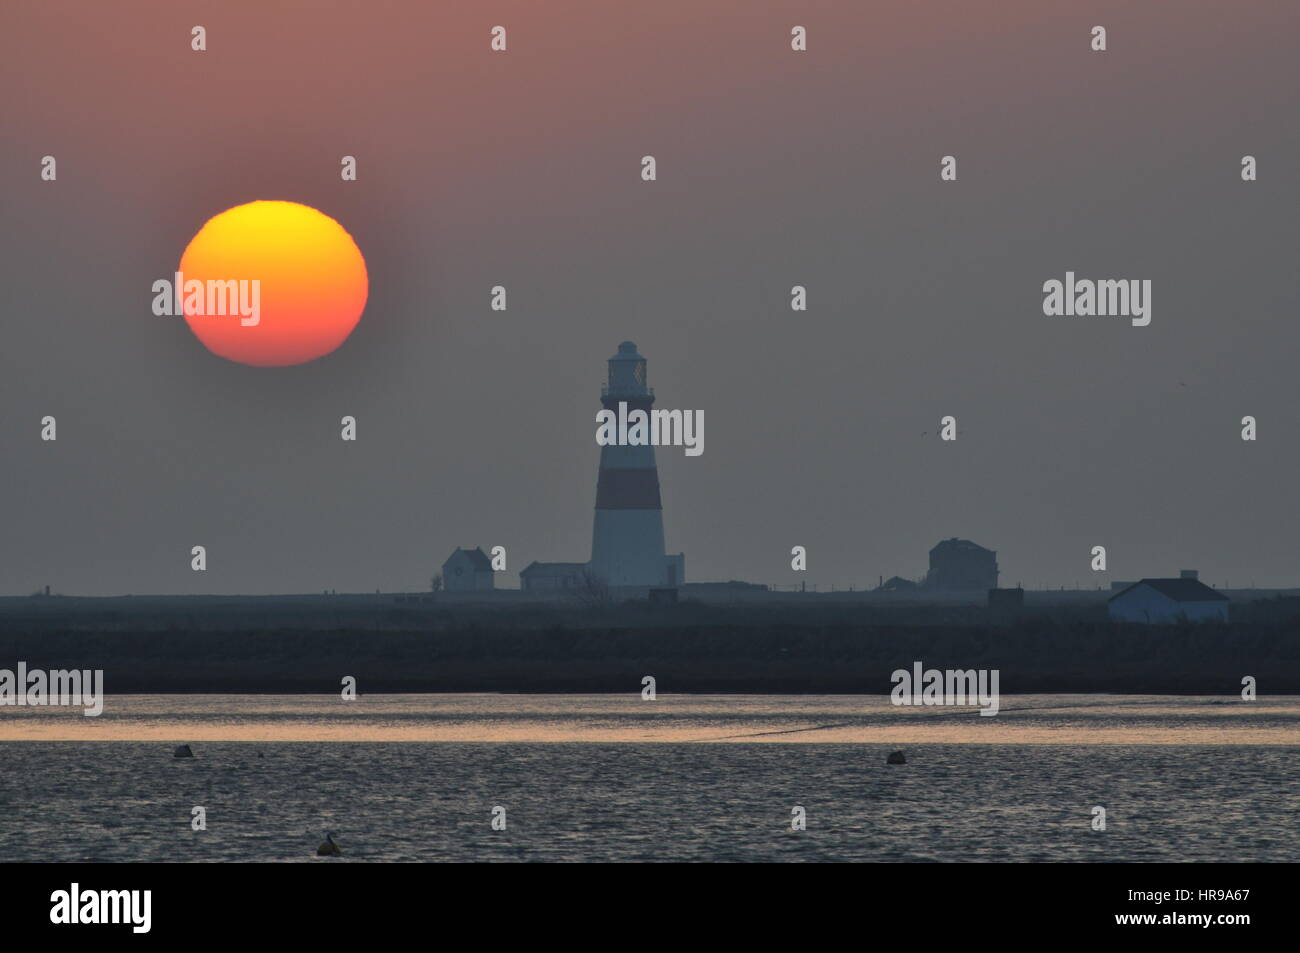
(627,540)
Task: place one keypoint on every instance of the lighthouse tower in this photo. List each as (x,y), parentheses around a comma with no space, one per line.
(627,541)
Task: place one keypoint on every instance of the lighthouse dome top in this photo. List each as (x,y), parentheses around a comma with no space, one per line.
(627,377)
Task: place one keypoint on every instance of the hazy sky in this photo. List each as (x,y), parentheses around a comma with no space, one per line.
(775,168)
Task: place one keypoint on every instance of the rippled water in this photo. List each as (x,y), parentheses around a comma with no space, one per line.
(1172,786)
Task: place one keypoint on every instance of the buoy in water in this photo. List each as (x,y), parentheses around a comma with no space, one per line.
(183,751)
(328,848)
(896,757)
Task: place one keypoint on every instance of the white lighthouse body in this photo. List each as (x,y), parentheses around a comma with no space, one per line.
(627,541)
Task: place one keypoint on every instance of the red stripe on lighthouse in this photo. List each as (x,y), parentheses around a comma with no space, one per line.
(628,490)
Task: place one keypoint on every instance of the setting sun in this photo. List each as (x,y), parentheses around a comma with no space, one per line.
(308,281)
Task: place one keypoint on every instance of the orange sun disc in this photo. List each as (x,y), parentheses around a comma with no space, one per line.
(300,284)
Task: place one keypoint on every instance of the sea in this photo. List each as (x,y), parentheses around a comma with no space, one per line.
(752,778)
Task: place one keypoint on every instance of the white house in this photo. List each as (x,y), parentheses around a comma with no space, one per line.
(467,570)
(1164,601)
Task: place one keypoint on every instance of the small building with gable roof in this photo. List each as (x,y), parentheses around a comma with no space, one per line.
(468,570)
(1167,601)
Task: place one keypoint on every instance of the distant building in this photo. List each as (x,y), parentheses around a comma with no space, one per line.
(897,584)
(1165,601)
(675,563)
(468,570)
(960,564)
(549,576)
(730,591)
